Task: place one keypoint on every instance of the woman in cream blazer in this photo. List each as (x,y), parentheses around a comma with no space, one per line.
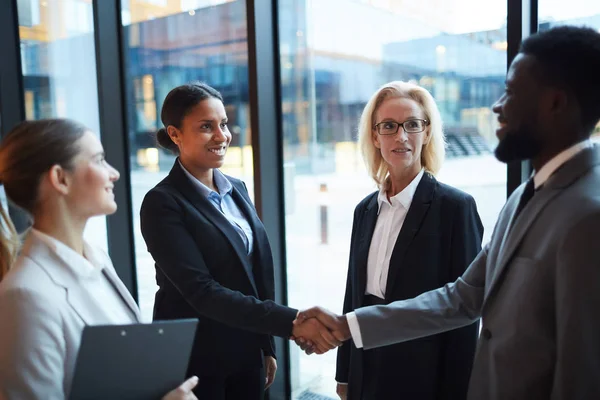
(55,170)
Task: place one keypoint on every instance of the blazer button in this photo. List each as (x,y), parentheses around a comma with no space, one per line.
(486,334)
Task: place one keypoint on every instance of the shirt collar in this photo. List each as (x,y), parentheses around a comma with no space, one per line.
(404,198)
(557,161)
(90,266)
(221,182)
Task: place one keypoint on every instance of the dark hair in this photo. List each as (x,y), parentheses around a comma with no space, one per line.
(569,56)
(177,105)
(28,151)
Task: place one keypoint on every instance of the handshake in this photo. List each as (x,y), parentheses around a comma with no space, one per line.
(317,330)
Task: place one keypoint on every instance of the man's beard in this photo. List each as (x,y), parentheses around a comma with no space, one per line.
(518,145)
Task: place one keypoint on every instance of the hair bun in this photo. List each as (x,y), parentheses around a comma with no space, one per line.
(164,140)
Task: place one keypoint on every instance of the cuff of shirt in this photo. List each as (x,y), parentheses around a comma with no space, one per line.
(354,329)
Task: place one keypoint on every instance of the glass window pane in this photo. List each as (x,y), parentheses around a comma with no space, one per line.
(59,70)
(330,66)
(166,48)
(578,12)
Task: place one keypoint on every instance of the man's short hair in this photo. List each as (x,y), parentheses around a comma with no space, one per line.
(570,58)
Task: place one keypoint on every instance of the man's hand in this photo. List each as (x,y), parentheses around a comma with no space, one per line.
(342,390)
(314,331)
(183,391)
(270,370)
(337,324)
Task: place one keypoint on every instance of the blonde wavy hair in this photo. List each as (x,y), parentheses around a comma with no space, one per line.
(433,153)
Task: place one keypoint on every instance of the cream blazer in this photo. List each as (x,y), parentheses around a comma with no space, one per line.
(44,306)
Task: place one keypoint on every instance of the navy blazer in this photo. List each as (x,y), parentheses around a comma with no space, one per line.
(439,238)
(203,271)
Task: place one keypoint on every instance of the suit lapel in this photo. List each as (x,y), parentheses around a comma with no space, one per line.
(89,312)
(412,223)
(517,228)
(120,288)
(252,218)
(61,274)
(366,229)
(206,208)
(246,208)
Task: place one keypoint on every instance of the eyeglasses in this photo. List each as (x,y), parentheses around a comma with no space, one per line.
(410,126)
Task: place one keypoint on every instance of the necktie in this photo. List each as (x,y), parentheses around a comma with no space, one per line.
(525,197)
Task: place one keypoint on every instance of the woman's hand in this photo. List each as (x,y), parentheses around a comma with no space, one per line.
(183,391)
(270,371)
(305,345)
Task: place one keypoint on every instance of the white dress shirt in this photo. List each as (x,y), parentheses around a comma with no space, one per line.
(390,218)
(88,269)
(557,161)
(540,177)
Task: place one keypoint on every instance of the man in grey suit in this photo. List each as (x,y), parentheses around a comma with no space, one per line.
(536,285)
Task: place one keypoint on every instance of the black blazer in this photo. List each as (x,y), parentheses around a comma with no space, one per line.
(203,271)
(440,237)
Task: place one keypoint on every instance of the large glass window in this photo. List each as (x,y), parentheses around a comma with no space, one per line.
(169,43)
(579,12)
(330,66)
(59,70)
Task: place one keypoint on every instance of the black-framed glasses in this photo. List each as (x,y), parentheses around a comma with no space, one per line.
(410,126)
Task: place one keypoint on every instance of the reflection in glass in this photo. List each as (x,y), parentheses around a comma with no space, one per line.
(169,43)
(59,70)
(329,69)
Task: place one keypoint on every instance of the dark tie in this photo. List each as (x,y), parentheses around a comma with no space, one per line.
(525,197)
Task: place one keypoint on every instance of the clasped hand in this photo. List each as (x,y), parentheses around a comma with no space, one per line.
(317,330)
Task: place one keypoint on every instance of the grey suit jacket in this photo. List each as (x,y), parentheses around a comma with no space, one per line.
(536,286)
(43,310)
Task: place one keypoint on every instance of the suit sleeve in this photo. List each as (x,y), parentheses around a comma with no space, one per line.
(32,347)
(452,306)
(178,257)
(343,354)
(460,344)
(577,297)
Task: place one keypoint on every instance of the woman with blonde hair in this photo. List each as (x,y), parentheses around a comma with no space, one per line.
(56,283)
(412,235)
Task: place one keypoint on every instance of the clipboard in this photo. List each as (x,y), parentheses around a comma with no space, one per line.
(131,362)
